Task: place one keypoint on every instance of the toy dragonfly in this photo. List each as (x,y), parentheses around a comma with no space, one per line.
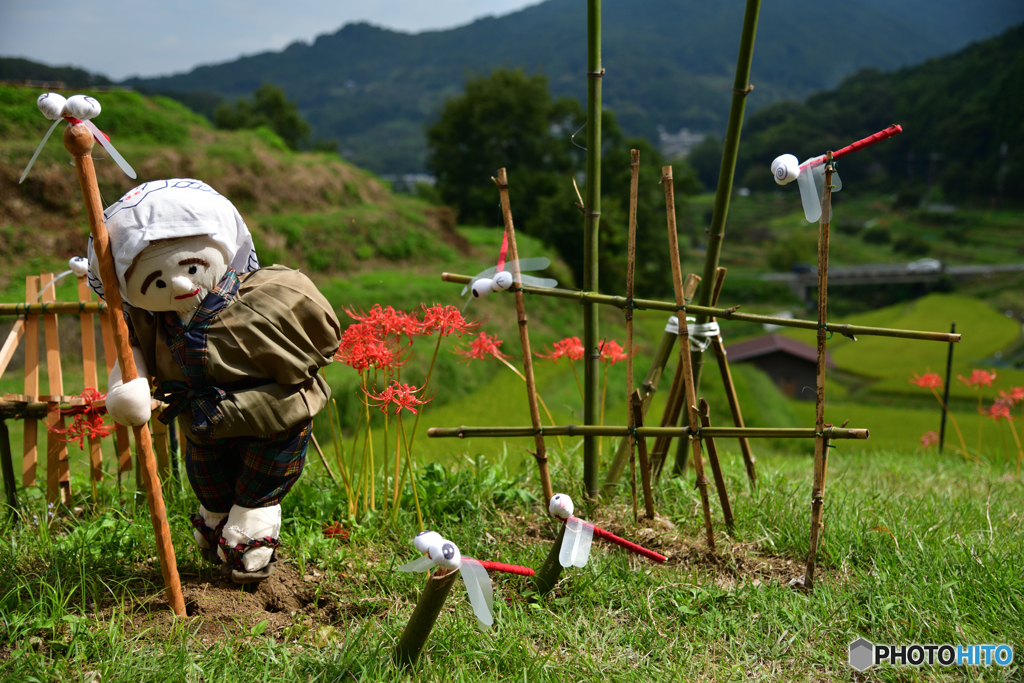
(579,536)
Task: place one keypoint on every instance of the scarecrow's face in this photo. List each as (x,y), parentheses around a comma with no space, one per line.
(175,275)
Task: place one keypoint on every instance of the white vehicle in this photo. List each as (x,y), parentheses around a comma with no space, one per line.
(925,265)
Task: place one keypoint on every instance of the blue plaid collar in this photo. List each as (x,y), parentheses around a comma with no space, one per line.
(220,296)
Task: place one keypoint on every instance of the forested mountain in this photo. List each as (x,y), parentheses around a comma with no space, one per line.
(963,120)
(669,63)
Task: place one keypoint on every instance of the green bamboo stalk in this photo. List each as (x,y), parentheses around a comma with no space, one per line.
(416,632)
(716,232)
(622,430)
(7,464)
(54,307)
(545,579)
(592,219)
(727,313)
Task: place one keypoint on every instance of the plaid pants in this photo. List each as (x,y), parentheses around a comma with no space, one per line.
(253,472)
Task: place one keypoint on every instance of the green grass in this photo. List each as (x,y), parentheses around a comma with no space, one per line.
(912,552)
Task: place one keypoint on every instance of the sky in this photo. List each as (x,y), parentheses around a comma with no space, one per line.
(121,38)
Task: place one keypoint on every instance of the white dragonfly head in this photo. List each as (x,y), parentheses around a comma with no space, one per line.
(501,281)
(79,265)
(425,539)
(561,506)
(81,107)
(786,169)
(445,555)
(482,288)
(52,105)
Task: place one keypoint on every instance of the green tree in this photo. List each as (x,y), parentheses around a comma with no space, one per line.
(508,119)
(268,107)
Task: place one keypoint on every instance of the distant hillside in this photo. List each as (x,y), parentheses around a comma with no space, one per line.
(963,117)
(17,69)
(669,63)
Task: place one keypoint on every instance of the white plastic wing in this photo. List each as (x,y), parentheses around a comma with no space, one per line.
(24,174)
(478,587)
(420,564)
(537,263)
(545,282)
(811,181)
(576,542)
(109,146)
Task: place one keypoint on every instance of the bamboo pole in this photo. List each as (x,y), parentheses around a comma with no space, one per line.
(78,140)
(90,380)
(7,465)
(464,432)
(716,467)
(730,388)
(632,408)
(541,454)
(31,439)
(945,391)
(684,354)
(820,440)
(51,306)
(730,147)
(58,479)
(416,632)
(11,344)
(674,402)
(546,578)
(726,313)
(121,443)
(647,388)
(645,465)
(592,219)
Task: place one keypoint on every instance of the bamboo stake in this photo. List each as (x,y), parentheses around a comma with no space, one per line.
(78,141)
(546,578)
(541,455)
(592,219)
(730,147)
(730,388)
(323,459)
(90,379)
(58,480)
(123,451)
(52,306)
(684,353)
(716,467)
(645,465)
(11,344)
(726,313)
(31,438)
(416,632)
(632,410)
(821,440)
(622,430)
(7,464)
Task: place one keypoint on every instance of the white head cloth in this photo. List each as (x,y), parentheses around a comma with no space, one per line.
(167,209)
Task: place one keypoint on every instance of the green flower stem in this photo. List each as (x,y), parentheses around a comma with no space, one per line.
(539,399)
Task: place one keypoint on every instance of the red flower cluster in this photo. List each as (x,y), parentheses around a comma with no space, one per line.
(978,378)
(570,348)
(999,410)
(388,321)
(929,439)
(612,353)
(336,530)
(483,347)
(402,396)
(88,420)
(1013,396)
(929,380)
(445,320)
(363,346)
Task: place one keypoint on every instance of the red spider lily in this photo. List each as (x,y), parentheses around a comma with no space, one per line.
(929,439)
(1013,396)
(402,396)
(978,378)
(998,411)
(445,320)
(88,420)
(336,530)
(385,321)
(366,353)
(612,353)
(929,380)
(483,347)
(570,347)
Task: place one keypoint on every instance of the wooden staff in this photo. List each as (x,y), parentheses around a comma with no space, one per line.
(524,339)
(31,444)
(90,380)
(684,352)
(634,182)
(124,449)
(821,438)
(716,467)
(730,388)
(79,141)
(58,480)
(645,465)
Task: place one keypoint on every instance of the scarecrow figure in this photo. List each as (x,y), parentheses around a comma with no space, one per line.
(234,350)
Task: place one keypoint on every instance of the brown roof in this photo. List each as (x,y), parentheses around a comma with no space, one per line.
(774,343)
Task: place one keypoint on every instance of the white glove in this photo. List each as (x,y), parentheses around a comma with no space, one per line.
(130,404)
